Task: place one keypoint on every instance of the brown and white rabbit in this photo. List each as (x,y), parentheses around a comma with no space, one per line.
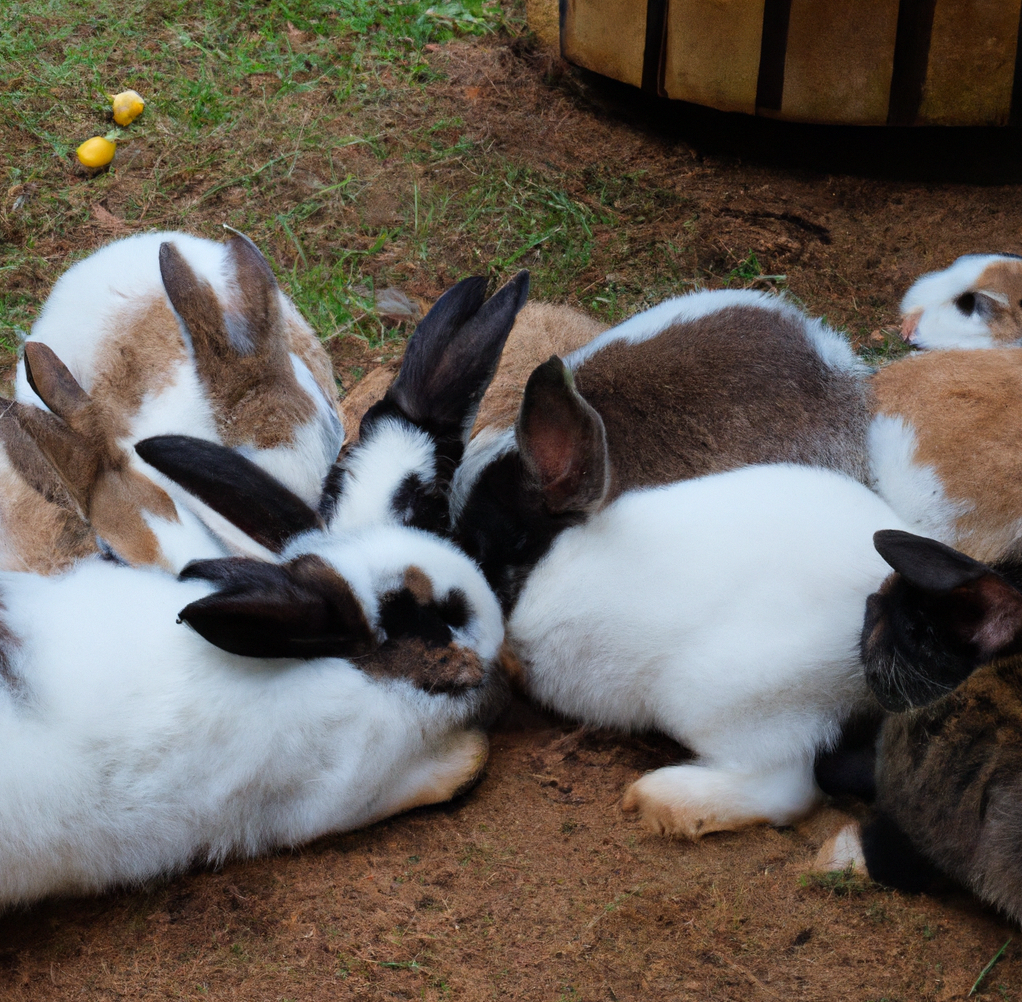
(976,303)
(158,333)
(945,446)
(942,646)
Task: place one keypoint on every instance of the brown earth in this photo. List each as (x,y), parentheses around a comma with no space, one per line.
(535,885)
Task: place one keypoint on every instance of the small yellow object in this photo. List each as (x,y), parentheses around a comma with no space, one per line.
(96,152)
(128,105)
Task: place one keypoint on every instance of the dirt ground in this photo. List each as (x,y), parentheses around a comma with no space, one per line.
(535,885)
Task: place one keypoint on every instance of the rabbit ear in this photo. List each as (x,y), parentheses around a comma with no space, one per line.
(933,624)
(301,609)
(926,562)
(233,486)
(53,383)
(452,357)
(562,441)
(259,300)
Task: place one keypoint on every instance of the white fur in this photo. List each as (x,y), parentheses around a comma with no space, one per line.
(375,469)
(911,488)
(131,747)
(723,611)
(829,345)
(930,302)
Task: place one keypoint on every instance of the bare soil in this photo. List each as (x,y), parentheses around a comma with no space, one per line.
(535,885)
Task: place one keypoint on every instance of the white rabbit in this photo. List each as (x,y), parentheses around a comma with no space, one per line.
(161,333)
(347,684)
(723,611)
(976,303)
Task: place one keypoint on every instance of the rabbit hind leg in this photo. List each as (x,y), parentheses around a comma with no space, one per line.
(692,799)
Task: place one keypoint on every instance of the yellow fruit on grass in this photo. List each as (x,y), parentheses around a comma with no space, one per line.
(96,152)
(128,105)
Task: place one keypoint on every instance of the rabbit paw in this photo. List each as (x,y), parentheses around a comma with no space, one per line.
(448,773)
(842,851)
(692,800)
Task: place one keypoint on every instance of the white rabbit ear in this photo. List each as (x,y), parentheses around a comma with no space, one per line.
(234,487)
(451,358)
(562,441)
(301,609)
(931,625)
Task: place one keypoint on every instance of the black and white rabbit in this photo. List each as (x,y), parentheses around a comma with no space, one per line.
(337,686)
(942,645)
(975,303)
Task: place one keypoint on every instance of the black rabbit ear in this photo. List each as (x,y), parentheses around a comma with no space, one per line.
(302,609)
(452,357)
(233,486)
(935,622)
(562,441)
(925,562)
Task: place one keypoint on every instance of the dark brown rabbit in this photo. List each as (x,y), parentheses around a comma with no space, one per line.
(942,641)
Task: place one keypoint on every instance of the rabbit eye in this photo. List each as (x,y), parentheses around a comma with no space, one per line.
(453,610)
(966,303)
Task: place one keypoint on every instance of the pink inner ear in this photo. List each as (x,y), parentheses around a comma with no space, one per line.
(1002,620)
(552,453)
(909,324)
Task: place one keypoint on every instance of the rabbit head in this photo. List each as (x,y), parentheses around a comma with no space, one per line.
(935,621)
(125,510)
(401,602)
(411,441)
(976,303)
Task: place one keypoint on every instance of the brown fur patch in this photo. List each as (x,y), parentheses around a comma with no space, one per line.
(966,410)
(366,392)
(40,529)
(418,582)
(140,360)
(433,669)
(540,330)
(9,644)
(739,386)
(1004,277)
(949,775)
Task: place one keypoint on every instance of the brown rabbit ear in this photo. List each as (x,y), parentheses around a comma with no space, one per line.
(76,460)
(301,609)
(259,302)
(196,304)
(53,383)
(562,441)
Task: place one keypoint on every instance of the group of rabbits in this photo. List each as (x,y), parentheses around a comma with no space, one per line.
(668,525)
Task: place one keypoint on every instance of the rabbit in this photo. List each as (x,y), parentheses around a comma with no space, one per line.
(539,330)
(250,373)
(699,384)
(342,683)
(187,335)
(976,303)
(942,646)
(722,611)
(399,469)
(945,446)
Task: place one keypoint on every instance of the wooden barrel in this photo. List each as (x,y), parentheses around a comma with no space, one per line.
(846,62)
